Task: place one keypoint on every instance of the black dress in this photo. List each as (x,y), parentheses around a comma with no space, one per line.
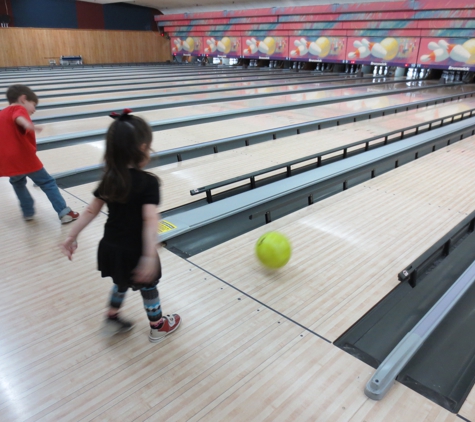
(121,247)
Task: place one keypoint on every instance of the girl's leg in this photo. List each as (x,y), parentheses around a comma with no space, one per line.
(160,326)
(117,297)
(26,201)
(114,323)
(151,303)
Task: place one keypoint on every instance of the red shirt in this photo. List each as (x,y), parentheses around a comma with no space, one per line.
(17,147)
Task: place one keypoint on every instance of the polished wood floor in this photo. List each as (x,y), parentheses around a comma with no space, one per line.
(254,345)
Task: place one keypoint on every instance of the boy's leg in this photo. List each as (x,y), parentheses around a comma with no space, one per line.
(159,326)
(114,323)
(50,188)
(26,201)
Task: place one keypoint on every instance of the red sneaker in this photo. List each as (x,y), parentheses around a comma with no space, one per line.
(169,324)
(70,216)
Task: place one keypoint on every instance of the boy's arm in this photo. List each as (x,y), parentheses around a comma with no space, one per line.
(24,123)
(69,246)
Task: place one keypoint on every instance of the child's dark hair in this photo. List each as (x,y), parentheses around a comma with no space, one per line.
(16,91)
(124,149)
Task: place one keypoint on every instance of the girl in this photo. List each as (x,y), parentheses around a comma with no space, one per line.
(128,252)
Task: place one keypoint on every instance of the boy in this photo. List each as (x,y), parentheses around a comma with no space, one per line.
(18,158)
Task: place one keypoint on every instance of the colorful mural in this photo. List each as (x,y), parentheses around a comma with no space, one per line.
(429,33)
(187,46)
(379,50)
(222,46)
(265,47)
(317,49)
(448,53)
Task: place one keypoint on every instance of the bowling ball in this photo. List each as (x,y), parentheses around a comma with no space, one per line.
(227,44)
(270,42)
(273,250)
(470,47)
(191,42)
(391,46)
(324,44)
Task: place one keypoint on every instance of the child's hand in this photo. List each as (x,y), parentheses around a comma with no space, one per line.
(146,270)
(68,247)
(38,129)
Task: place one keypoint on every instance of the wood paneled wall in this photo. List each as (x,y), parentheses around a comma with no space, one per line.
(35,46)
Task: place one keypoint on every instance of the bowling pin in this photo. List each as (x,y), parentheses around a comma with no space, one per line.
(361,51)
(261,46)
(178,45)
(456,52)
(386,70)
(375,70)
(380,70)
(376,49)
(251,49)
(211,46)
(301,49)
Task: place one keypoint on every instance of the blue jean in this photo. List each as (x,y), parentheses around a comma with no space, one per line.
(48,186)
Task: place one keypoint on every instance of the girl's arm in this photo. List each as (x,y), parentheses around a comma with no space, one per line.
(69,246)
(147,268)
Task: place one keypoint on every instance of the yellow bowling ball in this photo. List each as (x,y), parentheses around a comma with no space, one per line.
(191,43)
(391,46)
(227,44)
(273,250)
(324,44)
(270,42)
(470,47)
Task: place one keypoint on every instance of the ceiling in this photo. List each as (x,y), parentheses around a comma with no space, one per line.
(182,6)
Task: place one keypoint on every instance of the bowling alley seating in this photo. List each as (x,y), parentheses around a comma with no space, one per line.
(70,60)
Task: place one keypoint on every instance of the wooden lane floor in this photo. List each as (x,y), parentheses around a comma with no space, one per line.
(232,359)
(180,178)
(137,83)
(90,153)
(104,104)
(177,88)
(11,77)
(67,81)
(349,248)
(86,125)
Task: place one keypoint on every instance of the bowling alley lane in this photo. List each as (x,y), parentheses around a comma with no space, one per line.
(179,178)
(71,127)
(188,95)
(91,86)
(48,83)
(250,81)
(91,153)
(156,72)
(349,248)
(162,89)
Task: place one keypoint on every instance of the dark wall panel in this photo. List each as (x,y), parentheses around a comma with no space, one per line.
(6,9)
(124,16)
(45,13)
(90,15)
